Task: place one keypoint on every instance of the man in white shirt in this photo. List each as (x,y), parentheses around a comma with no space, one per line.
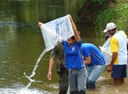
(118,47)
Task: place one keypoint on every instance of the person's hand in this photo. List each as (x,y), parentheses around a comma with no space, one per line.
(40,23)
(49,75)
(109,69)
(70,18)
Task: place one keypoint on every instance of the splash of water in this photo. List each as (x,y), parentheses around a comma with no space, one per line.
(101,78)
(21,91)
(34,69)
(26,91)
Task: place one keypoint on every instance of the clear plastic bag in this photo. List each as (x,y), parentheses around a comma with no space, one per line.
(56,30)
(105,49)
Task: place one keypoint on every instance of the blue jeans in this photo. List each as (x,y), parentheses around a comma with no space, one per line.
(77,79)
(94,73)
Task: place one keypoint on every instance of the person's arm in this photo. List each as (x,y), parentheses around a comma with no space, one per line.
(114,56)
(87,60)
(76,34)
(114,49)
(51,64)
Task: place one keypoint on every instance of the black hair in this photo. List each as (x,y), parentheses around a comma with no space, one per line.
(73,37)
(114,29)
(107,36)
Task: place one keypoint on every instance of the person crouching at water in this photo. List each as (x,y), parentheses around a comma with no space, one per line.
(95,61)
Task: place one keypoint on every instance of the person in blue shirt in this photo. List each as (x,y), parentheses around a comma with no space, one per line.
(75,63)
(95,62)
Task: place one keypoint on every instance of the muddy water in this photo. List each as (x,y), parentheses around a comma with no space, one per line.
(21,44)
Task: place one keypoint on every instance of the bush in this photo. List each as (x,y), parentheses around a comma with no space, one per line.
(117,14)
(99,1)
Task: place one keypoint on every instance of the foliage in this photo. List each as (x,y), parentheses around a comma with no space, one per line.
(103,1)
(99,1)
(117,14)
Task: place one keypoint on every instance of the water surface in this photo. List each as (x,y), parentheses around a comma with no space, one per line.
(21,43)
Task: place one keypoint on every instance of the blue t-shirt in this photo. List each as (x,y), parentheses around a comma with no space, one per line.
(97,58)
(73,55)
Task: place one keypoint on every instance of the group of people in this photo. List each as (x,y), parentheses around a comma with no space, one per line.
(81,64)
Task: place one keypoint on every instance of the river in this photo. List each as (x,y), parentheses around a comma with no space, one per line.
(21,43)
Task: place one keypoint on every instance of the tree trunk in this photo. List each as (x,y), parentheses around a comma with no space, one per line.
(88,12)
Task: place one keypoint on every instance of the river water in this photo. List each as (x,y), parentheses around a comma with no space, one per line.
(21,43)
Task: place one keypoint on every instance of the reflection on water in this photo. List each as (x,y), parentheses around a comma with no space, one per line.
(21,44)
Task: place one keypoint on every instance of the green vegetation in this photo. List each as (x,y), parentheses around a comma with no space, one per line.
(99,1)
(117,13)
(103,1)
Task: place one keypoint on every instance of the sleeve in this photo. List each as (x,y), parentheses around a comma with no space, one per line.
(114,45)
(63,43)
(57,50)
(53,54)
(79,43)
(86,52)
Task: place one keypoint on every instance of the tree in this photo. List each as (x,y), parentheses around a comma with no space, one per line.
(90,9)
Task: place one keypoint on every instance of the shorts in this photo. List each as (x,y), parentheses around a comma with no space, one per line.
(119,71)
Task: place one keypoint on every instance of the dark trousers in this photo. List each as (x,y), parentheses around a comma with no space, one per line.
(63,82)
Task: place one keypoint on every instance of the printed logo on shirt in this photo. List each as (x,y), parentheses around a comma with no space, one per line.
(73,48)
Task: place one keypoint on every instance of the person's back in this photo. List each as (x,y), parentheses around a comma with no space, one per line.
(120,39)
(59,53)
(96,55)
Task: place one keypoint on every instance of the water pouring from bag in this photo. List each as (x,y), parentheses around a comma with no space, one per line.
(34,69)
(52,33)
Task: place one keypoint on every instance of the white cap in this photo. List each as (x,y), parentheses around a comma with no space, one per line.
(110,26)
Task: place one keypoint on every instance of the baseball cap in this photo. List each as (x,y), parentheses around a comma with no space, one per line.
(109,26)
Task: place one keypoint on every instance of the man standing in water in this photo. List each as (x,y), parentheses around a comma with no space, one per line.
(58,53)
(74,62)
(118,47)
